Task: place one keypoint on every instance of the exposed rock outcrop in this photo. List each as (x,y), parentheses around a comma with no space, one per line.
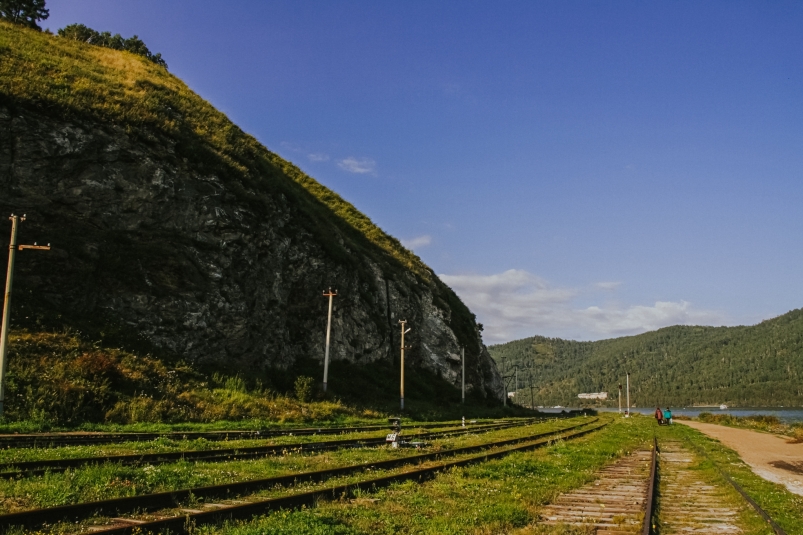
(149,238)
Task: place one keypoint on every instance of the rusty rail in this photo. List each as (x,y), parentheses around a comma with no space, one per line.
(649,507)
(767,518)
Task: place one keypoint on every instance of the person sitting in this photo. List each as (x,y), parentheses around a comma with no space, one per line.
(668,416)
(659,416)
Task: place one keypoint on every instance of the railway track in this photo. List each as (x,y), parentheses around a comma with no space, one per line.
(178,519)
(778,530)
(687,503)
(622,500)
(33,468)
(85,439)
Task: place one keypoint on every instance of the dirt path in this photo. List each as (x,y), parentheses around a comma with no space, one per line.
(770,456)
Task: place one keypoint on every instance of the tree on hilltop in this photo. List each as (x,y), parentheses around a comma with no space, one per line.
(24,12)
(78,32)
(135,45)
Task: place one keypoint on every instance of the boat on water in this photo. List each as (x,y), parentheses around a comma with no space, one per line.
(723,407)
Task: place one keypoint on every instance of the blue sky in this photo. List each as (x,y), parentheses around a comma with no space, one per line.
(574,169)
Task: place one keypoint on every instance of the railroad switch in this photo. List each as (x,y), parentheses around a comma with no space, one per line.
(395,438)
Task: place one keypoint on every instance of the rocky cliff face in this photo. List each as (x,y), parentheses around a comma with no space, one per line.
(149,240)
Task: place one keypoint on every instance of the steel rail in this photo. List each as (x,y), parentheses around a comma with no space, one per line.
(91,438)
(649,504)
(31,468)
(162,500)
(186,523)
(767,518)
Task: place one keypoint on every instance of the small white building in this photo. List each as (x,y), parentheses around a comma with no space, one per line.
(594,395)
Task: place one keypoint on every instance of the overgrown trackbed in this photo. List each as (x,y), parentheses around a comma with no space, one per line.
(615,503)
(172,514)
(26,440)
(687,504)
(620,500)
(31,468)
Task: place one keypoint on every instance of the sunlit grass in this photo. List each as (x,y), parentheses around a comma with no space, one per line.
(499,496)
(505,496)
(105,481)
(166,445)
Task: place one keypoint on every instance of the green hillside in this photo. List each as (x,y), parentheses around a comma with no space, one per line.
(115,87)
(755,366)
(83,349)
(67,78)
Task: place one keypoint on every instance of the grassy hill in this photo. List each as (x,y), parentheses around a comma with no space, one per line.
(70,79)
(121,88)
(88,136)
(760,365)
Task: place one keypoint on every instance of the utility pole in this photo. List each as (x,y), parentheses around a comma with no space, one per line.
(463,381)
(504,383)
(516,388)
(403,323)
(620,398)
(330,294)
(12,250)
(627,412)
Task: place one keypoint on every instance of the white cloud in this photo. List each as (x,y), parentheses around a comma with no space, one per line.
(318,157)
(357,165)
(608,285)
(516,304)
(417,242)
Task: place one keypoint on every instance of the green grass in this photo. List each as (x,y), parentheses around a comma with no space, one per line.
(61,380)
(504,496)
(65,381)
(499,496)
(106,481)
(164,444)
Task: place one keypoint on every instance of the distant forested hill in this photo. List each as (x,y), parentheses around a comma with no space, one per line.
(760,365)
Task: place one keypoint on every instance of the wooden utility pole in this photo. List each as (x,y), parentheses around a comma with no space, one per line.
(330,294)
(620,398)
(627,411)
(504,384)
(463,381)
(403,323)
(12,250)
